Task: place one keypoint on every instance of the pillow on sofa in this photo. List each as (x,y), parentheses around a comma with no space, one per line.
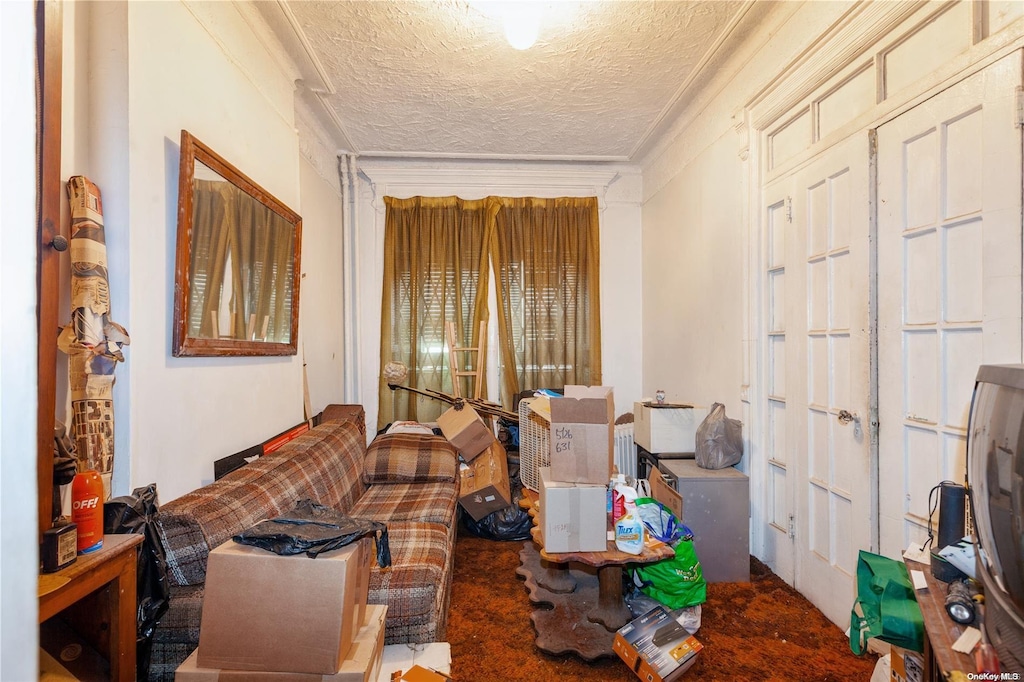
(410,458)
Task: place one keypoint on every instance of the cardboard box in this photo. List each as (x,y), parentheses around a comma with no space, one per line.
(667,428)
(666,494)
(399,658)
(464,429)
(573,516)
(484,486)
(663,661)
(906,665)
(361,665)
(271,613)
(583,435)
(420,674)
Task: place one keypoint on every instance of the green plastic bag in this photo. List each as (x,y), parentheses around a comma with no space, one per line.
(677,582)
(886,606)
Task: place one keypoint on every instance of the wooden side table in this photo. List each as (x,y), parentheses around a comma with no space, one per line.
(110,570)
(940,631)
(587,609)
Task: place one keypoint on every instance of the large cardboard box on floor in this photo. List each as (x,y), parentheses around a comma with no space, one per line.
(666,428)
(465,430)
(573,516)
(270,613)
(655,647)
(583,435)
(362,664)
(483,485)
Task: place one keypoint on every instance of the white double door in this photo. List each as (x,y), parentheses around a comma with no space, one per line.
(921,265)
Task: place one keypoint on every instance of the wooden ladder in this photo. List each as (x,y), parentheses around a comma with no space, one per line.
(456,367)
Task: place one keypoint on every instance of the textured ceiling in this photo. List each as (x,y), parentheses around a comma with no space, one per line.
(437,78)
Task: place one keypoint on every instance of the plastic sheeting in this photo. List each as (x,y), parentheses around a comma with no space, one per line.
(313,529)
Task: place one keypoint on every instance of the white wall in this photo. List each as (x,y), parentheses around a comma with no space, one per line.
(154,69)
(19,558)
(321,328)
(618,189)
(693,281)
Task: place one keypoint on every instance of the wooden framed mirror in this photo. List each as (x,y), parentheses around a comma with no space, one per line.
(236,286)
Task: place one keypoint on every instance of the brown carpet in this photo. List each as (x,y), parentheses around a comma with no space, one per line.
(761,630)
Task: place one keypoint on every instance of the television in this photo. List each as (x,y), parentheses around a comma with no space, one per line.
(995,478)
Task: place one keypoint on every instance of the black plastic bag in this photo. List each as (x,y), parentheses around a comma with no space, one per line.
(719,440)
(65,466)
(314,529)
(510,523)
(137,514)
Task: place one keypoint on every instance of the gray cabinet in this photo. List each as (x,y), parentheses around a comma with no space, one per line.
(716,507)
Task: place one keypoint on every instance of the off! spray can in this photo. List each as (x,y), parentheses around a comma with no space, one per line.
(87,510)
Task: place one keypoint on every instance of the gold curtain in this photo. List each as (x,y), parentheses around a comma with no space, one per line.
(435,270)
(216,237)
(242,251)
(546,259)
(268,270)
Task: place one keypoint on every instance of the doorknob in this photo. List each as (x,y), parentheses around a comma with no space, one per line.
(845,417)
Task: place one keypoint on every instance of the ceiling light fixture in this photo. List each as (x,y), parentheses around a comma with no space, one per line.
(522,24)
(520,19)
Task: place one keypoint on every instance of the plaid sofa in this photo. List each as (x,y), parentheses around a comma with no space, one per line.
(410,482)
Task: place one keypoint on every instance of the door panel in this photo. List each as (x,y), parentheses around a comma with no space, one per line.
(818,472)
(833,500)
(778,553)
(949,282)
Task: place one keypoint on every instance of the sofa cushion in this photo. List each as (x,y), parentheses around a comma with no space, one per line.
(322,464)
(413,586)
(389,503)
(410,458)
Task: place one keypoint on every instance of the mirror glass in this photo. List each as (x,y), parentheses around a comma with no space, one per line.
(237,277)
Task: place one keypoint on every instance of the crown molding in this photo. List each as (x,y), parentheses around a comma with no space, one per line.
(844,42)
(313,82)
(297,50)
(671,110)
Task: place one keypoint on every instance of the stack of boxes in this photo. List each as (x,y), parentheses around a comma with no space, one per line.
(484,483)
(287,618)
(573,490)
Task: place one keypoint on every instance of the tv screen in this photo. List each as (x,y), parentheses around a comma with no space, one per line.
(995,475)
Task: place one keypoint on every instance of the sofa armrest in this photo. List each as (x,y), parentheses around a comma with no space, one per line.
(339,413)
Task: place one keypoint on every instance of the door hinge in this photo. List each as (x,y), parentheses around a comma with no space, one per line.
(1020,105)
(789,209)
(792,526)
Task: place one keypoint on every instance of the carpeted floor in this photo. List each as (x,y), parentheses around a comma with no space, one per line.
(761,630)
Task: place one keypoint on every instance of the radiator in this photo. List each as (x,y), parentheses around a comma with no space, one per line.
(625,450)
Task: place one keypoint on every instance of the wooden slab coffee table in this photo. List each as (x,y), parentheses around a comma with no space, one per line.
(583,589)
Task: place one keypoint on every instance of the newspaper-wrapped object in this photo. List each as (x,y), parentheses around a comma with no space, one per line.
(91,340)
